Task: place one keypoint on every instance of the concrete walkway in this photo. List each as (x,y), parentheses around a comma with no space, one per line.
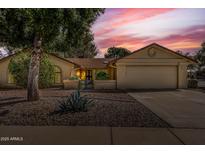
(99,135)
(180,108)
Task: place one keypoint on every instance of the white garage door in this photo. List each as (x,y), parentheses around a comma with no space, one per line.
(151,77)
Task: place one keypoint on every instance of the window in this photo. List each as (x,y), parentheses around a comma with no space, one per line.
(57,77)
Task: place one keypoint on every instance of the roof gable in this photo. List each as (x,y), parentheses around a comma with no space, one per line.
(156,51)
(63,59)
(51,54)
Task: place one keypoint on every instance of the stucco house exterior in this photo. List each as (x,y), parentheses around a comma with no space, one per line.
(151,67)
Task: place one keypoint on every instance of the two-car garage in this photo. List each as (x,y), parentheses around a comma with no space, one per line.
(152,67)
(151,77)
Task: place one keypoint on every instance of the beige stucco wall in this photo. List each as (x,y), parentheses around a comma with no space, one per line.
(71,84)
(4,71)
(104,84)
(67,68)
(160,71)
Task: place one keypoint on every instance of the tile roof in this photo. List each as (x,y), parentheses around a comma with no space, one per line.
(80,62)
(91,62)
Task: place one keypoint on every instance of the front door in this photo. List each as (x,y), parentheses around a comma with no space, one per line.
(89,82)
(89,75)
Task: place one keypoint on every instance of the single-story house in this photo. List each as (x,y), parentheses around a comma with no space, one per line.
(151,67)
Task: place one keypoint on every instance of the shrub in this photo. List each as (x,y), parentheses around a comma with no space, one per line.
(192,83)
(74,103)
(74,77)
(102,76)
(19,68)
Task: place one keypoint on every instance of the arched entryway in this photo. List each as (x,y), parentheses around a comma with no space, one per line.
(11,79)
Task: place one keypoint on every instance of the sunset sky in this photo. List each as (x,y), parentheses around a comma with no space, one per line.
(177,29)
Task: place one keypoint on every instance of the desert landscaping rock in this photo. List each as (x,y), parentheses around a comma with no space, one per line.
(106,111)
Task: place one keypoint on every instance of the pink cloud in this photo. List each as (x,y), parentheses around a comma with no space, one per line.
(103,31)
(115,18)
(119,41)
(133,15)
(177,29)
(188,40)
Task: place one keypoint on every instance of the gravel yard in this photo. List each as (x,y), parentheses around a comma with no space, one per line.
(110,109)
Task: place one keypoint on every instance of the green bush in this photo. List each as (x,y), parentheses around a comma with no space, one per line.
(192,83)
(74,103)
(102,76)
(19,68)
(74,77)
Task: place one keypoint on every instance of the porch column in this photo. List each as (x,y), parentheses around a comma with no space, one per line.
(93,74)
(121,75)
(182,75)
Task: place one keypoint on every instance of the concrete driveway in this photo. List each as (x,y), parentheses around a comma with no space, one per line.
(180,108)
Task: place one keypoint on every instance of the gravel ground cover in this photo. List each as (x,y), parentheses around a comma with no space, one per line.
(116,109)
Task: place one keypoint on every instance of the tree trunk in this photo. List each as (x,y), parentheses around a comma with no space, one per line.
(33,76)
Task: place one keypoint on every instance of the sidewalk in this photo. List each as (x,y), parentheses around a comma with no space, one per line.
(99,135)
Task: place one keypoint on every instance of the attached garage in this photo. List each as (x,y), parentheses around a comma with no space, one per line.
(151,77)
(152,67)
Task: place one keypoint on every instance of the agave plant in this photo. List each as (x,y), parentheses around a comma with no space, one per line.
(74,103)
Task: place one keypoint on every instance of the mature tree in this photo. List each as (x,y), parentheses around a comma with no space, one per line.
(38,28)
(190,67)
(200,56)
(183,53)
(84,46)
(115,52)
(87,48)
